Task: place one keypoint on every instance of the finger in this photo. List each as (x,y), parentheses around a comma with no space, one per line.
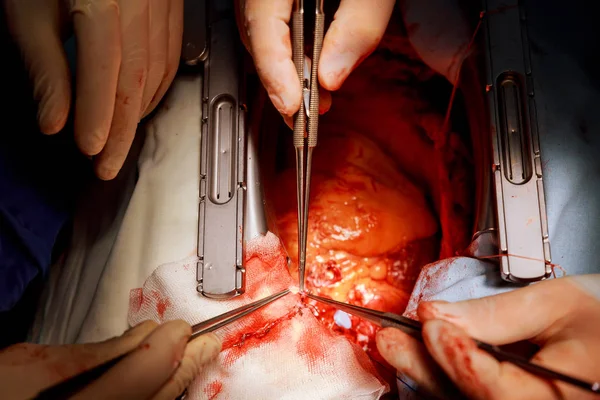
(477,374)
(111,348)
(355,32)
(35,28)
(143,373)
(324,106)
(157,50)
(173,52)
(439,32)
(324,101)
(98,33)
(198,353)
(537,308)
(240,6)
(572,357)
(266,22)
(411,358)
(48,365)
(130,88)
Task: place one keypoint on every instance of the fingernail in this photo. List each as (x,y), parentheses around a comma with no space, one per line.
(324,102)
(285,94)
(106,173)
(182,331)
(50,119)
(277,102)
(53,108)
(285,101)
(459,357)
(208,348)
(449,342)
(335,68)
(435,310)
(391,346)
(288,121)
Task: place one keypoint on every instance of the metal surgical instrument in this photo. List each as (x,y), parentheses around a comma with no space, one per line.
(76,383)
(414,328)
(305,139)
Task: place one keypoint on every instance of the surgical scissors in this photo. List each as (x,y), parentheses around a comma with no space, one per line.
(71,386)
(414,328)
(304,141)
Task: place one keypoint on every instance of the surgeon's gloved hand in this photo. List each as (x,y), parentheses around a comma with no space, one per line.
(161,367)
(127,56)
(561,316)
(437,29)
(356,31)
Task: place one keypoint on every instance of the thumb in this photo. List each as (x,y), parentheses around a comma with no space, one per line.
(144,372)
(200,352)
(536,308)
(35,26)
(355,32)
(439,33)
(410,358)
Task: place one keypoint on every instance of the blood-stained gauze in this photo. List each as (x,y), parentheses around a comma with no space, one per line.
(280,351)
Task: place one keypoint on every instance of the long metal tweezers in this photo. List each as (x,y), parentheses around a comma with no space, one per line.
(73,385)
(305,142)
(414,328)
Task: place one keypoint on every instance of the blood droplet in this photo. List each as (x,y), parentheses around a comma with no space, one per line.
(136,299)
(213,389)
(162,304)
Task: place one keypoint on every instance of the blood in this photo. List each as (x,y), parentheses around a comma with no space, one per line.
(124,99)
(325,277)
(259,332)
(162,303)
(313,349)
(213,389)
(458,352)
(40,352)
(427,311)
(136,299)
(337,267)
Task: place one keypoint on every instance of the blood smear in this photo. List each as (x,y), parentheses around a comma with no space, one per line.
(213,389)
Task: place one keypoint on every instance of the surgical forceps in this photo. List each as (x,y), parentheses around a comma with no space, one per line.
(71,386)
(413,328)
(305,141)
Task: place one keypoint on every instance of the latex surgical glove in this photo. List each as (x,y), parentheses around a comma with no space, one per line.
(161,367)
(127,55)
(437,29)
(561,316)
(357,28)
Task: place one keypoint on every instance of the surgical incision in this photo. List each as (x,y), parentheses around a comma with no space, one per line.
(381,192)
(370,230)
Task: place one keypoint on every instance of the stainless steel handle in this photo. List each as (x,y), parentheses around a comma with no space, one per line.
(298,56)
(313,118)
